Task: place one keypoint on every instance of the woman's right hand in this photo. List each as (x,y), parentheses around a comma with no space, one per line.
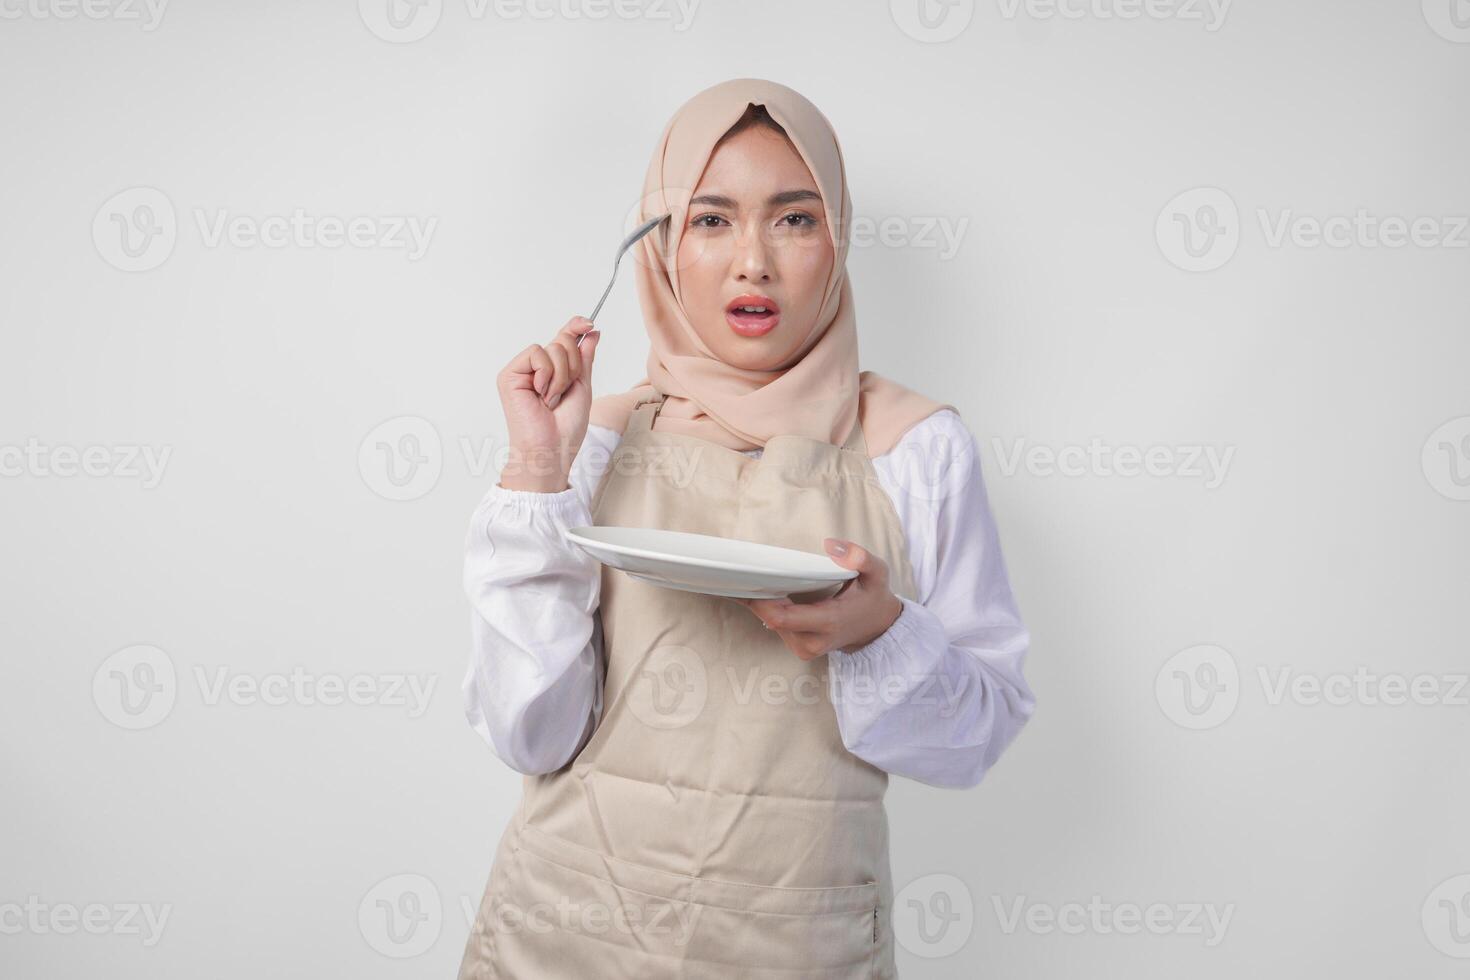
(546,393)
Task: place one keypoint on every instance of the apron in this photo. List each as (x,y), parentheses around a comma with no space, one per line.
(714,825)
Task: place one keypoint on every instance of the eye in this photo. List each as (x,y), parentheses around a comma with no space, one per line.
(708,221)
(798,219)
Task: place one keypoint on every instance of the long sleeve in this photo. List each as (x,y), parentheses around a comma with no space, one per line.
(534,686)
(941,694)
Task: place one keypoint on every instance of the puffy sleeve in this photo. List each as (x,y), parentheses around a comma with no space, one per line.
(533,690)
(941,694)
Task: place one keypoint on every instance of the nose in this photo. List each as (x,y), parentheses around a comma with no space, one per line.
(752,260)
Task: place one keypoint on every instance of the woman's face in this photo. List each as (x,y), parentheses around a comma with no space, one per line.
(756,236)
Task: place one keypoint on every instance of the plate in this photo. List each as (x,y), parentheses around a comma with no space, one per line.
(709,564)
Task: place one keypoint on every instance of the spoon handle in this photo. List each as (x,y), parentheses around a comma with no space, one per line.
(627,244)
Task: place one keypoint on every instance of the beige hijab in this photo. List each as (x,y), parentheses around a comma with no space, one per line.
(816,394)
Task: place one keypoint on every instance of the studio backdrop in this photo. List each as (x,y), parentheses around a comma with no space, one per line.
(1194,272)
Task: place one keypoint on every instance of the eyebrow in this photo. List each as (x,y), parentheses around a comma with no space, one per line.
(775,200)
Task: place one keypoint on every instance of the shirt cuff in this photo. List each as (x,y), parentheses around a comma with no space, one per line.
(532,499)
(910,649)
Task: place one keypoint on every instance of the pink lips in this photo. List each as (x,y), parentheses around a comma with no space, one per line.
(748,323)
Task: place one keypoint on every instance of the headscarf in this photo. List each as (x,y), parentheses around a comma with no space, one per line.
(816,393)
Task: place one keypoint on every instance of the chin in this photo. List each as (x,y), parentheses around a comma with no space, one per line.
(749,360)
(751,353)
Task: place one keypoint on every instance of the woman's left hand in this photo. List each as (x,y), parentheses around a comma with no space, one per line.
(857,615)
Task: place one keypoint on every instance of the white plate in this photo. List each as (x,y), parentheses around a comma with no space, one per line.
(709,564)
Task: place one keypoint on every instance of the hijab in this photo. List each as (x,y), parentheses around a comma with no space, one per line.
(819,393)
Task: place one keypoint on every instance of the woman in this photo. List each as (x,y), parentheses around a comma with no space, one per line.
(704,791)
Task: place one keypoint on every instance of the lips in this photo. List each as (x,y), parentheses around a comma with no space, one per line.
(752,315)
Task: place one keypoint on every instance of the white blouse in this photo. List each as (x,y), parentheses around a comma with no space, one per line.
(937,697)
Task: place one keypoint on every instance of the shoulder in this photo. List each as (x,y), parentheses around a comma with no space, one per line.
(937,438)
(943,424)
(893,413)
(934,467)
(939,433)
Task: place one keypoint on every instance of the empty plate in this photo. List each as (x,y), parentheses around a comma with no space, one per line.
(709,564)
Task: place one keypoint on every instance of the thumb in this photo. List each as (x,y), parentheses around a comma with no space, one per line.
(850,554)
(589,356)
(846,553)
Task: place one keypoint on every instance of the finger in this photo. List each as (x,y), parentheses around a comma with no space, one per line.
(812,617)
(807,646)
(519,373)
(561,371)
(529,370)
(856,557)
(573,330)
(763,607)
(589,354)
(585,355)
(567,337)
(573,356)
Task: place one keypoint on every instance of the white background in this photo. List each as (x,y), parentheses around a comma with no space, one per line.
(1334,541)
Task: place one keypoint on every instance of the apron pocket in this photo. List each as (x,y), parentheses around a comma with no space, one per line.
(572,911)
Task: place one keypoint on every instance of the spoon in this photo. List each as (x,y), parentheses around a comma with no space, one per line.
(628,243)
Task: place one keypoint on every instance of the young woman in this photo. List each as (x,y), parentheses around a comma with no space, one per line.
(705,775)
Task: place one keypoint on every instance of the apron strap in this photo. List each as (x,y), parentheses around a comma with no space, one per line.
(644,413)
(856,441)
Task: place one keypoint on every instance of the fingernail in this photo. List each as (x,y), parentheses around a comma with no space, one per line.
(835,547)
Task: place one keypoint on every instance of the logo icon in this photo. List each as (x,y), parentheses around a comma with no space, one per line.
(136,687)
(401,21)
(940,463)
(1198,687)
(932,21)
(1446,917)
(401,916)
(1450,19)
(135,230)
(1199,230)
(402,458)
(934,916)
(669,688)
(1446,459)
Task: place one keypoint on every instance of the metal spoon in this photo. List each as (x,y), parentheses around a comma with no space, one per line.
(628,243)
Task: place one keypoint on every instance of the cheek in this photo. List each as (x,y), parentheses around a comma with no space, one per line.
(701,272)
(806,266)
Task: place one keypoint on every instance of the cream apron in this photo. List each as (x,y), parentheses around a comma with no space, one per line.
(714,825)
